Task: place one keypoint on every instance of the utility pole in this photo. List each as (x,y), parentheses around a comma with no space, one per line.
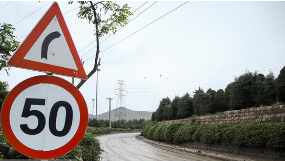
(93,107)
(109,111)
(120,112)
(97,91)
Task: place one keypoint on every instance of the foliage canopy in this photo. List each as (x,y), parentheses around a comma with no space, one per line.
(8,44)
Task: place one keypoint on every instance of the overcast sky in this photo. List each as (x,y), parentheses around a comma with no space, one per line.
(204,44)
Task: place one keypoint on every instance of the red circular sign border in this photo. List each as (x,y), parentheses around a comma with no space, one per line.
(5,117)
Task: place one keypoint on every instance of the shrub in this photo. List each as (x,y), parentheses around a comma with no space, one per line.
(171,130)
(193,119)
(99,130)
(158,133)
(239,135)
(218,132)
(145,130)
(150,131)
(276,136)
(228,135)
(207,133)
(90,147)
(73,154)
(252,134)
(184,134)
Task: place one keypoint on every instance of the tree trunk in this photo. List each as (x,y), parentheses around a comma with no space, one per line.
(96,64)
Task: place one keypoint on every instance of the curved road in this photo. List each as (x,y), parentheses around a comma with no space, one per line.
(125,146)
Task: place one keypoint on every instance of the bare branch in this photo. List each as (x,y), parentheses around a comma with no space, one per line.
(96,65)
(100,3)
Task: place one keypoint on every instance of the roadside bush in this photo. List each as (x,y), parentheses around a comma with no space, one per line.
(171,130)
(229,133)
(252,134)
(145,130)
(73,154)
(158,133)
(184,134)
(218,133)
(150,131)
(240,134)
(207,132)
(276,136)
(90,147)
(99,130)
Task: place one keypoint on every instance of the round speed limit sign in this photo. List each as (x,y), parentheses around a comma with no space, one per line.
(44,117)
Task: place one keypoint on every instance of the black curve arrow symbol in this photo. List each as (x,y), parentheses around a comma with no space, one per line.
(47,41)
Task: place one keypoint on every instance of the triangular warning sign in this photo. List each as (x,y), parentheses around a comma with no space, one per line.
(50,48)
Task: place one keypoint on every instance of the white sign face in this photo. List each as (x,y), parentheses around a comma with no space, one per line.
(44,117)
(51,48)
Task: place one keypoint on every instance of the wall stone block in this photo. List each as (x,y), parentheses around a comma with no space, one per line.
(267,114)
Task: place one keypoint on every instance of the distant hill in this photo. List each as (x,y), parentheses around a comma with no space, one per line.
(130,115)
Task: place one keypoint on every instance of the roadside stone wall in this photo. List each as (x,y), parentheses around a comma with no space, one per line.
(268,114)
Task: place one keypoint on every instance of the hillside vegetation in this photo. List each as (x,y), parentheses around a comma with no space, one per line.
(248,90)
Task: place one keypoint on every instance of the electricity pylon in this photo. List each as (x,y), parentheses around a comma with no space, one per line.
(120,112)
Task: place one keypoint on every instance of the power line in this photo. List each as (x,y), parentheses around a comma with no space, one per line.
(31,13)
(22,36)
(143,11)
(232,76)
(117,31)
(140,29)
(5,5)
(70,10)
(36,11)
(140,7)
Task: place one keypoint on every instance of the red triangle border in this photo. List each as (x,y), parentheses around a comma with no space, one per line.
(17,60)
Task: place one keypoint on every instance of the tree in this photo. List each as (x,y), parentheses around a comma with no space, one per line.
(212,93)
(227,96)
(153,116)
(281,85)
(8,44)
(219,102)
(3,92)
(202,102)
(166,112)
(106,17)
(267,92)
(173,108)
(160,110)
(185,107)
(93,123)
(156,115)
(244,92)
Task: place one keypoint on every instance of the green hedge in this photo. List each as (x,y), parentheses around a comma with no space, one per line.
(150,131)
(104,130)
(252,134)
(184,134)
(158,134)
(98,130)
(171,130)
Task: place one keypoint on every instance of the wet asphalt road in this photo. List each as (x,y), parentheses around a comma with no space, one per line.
(126,147)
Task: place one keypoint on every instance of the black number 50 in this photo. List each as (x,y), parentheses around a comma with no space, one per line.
(27,112)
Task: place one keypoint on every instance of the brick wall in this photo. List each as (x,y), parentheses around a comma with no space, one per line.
(268,114)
